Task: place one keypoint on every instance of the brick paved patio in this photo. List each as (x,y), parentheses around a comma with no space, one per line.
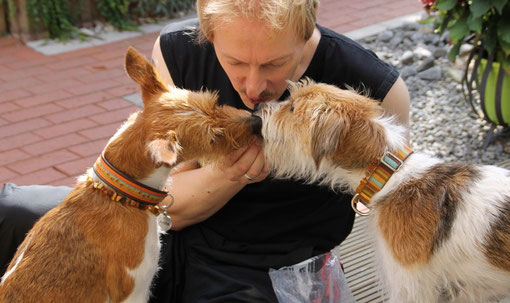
(57,112)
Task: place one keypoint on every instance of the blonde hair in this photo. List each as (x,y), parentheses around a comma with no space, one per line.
(278,15)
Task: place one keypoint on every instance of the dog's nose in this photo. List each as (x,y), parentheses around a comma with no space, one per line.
(256,124)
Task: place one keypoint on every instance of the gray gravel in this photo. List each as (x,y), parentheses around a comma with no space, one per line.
(442,122)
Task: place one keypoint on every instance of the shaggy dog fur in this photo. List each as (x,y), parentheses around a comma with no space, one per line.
(93,249)
(442,230)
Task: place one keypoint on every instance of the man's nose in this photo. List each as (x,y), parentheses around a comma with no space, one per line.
(254,84)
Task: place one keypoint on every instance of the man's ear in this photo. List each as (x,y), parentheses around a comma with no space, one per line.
(143,72)
(325,137)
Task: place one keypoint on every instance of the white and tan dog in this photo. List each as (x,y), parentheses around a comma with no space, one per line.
(442,230)
(101,243)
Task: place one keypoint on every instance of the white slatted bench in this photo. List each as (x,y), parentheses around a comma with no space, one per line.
(357,255)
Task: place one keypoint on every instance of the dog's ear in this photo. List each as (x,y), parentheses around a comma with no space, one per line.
(143,72)
(165,150)
(325,137)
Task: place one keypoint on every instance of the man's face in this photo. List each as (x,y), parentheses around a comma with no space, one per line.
(257,63)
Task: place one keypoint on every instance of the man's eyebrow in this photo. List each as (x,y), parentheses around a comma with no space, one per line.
(268,62)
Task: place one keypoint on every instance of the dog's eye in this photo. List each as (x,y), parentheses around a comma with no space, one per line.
(292,108)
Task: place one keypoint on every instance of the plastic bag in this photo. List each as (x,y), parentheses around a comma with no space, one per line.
(317,280)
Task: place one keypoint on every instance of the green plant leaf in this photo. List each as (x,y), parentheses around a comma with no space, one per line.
(426,20)
(480,7)
(506,63)
(443,23)
(454,51)
(505,46)
(504,29)
(490,41)
(475,24)
(445,5)
(54,16)
(459,30)
(116,13)
(500,5)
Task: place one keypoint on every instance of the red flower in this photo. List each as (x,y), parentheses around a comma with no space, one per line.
(427,4)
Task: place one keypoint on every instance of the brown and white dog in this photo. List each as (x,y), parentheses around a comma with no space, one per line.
(101,243)
(442,230)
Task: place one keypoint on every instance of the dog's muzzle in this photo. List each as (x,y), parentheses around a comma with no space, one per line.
(256,124)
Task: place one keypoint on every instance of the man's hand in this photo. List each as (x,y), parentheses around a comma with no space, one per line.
(246,165)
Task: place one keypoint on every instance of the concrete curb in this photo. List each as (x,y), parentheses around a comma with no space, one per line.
(382,26)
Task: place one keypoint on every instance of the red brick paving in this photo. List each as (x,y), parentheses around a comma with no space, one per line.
(57,112)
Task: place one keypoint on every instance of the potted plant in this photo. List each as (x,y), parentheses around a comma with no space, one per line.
(485,24)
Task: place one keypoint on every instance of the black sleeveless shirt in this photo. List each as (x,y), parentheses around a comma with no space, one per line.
(274,223)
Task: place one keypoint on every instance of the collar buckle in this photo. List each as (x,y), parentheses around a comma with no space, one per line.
(377,176)
(391,161)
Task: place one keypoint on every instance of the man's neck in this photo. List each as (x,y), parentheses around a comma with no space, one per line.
(308,52)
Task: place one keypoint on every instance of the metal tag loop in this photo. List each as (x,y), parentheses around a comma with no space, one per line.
(354,204)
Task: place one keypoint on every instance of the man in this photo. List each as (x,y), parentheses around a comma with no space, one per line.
(233,222)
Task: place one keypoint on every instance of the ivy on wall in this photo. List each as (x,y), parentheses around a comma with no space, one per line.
(116,13)
(11,7)
(8,11)
(55,16)
(161,8)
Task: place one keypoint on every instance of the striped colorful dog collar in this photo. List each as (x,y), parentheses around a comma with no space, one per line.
(378,175)
(125,186)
